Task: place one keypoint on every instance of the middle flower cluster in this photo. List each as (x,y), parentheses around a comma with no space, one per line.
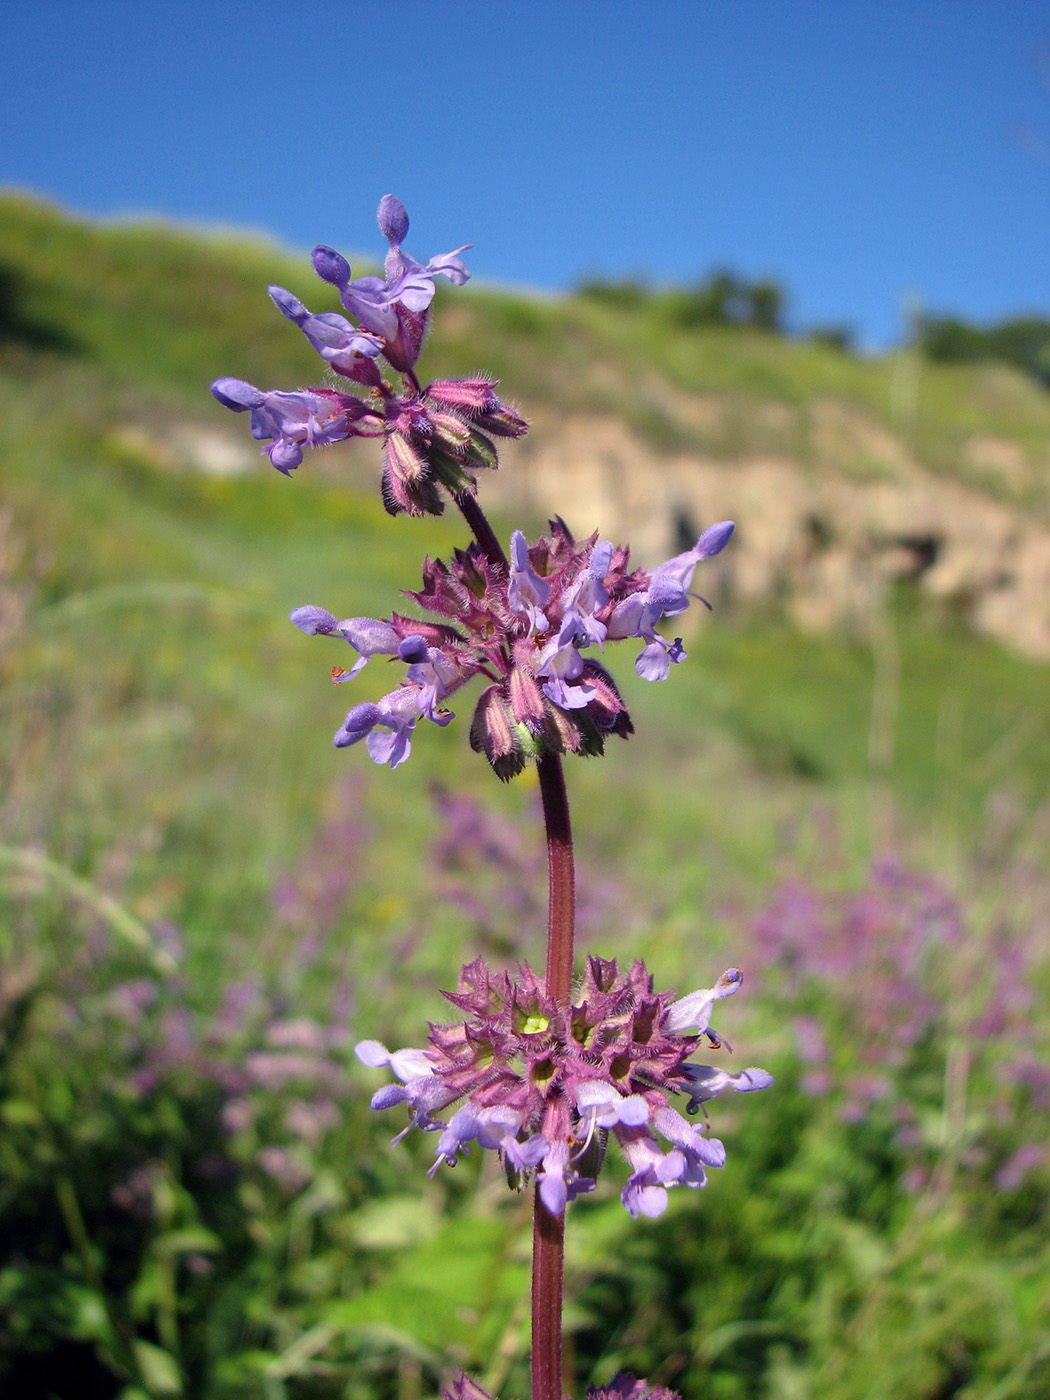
(525,626)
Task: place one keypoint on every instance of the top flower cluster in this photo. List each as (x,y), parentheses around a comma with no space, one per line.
(432,438)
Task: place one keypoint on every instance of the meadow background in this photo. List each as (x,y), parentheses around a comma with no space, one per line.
(203,905)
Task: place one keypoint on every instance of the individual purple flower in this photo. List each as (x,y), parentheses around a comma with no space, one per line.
(694,1011)
(562,665)
(667,595)
(393,307)
(587,596)
(706,1082)
(420,1088)
(526,591)
(351,352)
(434,674)
(653,1171)
(368,636)
(547,1086)
(396,714)
(495,1128)
(291,421)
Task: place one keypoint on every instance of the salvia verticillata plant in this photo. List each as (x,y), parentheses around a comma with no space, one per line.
(545,1071)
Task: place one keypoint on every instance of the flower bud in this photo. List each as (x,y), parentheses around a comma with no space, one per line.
(403,461)
(468,396)
(606,708)
(481,452)
(504,423)
(492,734)
(393,219)
(451,432)
(450,473)
(526,698)
(330,266)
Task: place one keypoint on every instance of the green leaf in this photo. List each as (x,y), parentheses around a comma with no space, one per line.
(158,1368)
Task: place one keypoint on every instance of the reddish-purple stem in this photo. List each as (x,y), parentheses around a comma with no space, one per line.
(548,1231)
(483,531)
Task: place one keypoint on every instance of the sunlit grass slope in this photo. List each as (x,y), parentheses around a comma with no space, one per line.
(156,597)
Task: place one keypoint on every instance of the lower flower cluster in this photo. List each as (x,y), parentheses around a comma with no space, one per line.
(545,1086)
(623,1386)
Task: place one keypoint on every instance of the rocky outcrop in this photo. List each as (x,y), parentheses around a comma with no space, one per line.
(825,537)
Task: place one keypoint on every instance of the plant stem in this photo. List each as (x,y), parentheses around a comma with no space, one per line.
(561,909)
(548,1253)
(548,1231)
(483,531)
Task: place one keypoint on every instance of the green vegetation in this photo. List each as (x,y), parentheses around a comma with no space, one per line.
(191,878)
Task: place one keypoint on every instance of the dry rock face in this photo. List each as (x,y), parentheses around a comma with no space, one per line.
(825,537)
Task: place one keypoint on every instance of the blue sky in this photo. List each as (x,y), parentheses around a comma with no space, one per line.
(861,153)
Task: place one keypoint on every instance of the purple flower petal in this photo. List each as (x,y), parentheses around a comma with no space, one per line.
(313,621)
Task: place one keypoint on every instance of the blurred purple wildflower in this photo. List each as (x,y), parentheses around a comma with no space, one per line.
(892,993)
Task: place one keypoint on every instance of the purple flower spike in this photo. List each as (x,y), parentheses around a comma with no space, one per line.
(525,626)
(435,439)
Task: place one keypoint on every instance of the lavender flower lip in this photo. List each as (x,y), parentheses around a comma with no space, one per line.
(544,1086)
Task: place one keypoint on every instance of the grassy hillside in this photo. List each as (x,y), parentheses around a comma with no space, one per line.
(167,778)
(112,336)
